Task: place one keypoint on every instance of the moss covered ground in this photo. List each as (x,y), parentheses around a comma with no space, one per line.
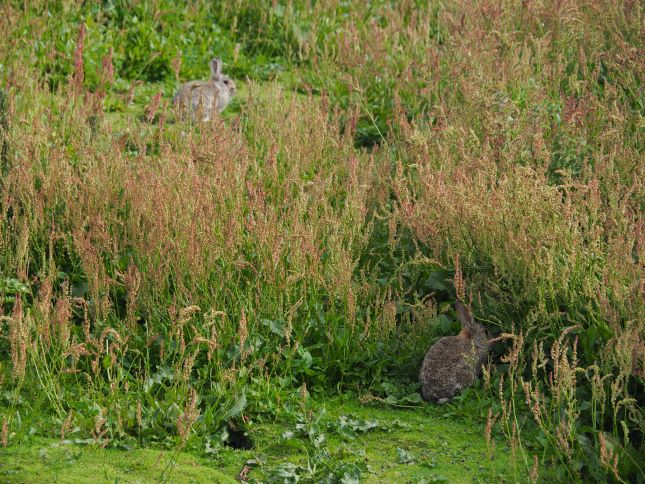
(424,444)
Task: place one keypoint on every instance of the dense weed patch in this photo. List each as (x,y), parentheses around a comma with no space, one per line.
(161,282)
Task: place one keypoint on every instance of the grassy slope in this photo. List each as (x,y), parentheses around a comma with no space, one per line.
(442,447)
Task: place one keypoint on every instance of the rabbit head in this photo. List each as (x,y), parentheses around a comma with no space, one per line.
(470,328)
(225,86)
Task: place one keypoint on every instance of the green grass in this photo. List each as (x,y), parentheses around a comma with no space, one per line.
(48,460)
(438,445)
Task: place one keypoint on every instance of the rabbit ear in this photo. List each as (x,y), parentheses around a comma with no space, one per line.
(216,67)
(464,315)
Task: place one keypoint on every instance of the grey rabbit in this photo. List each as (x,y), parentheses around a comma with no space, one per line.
(203,97)
(453,362)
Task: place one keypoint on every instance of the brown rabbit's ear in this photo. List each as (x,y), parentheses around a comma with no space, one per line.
(464,315)
(216,67)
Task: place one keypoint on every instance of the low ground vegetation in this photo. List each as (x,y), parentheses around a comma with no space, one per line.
(171,285)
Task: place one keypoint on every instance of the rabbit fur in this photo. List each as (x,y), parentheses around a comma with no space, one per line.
(205,97)
(454,362)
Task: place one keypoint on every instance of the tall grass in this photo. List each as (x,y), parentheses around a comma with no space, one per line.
(159,280)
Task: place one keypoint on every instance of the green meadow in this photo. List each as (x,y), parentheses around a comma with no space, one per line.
(251,298)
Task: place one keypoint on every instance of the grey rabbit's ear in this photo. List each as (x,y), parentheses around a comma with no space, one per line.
(464,315)
(216,67)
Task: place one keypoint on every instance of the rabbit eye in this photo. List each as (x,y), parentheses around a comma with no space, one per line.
(225,81)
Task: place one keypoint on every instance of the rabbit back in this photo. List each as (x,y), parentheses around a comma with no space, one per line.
(449,366)
(203,100)
(182,97)
(197,97)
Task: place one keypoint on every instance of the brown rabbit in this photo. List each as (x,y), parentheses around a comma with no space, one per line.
(205,97)
(454,362)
